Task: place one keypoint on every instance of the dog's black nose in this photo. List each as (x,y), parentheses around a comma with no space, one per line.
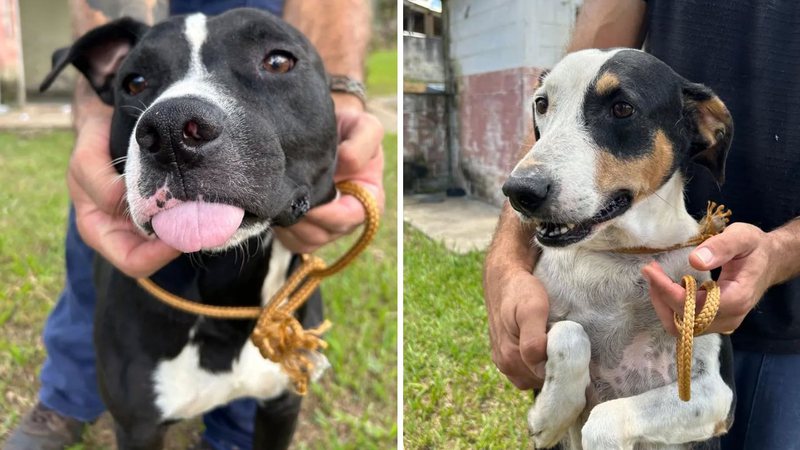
(527,194)
(177,128)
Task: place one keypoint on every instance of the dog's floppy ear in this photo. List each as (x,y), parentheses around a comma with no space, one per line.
(710,127)
(98,54)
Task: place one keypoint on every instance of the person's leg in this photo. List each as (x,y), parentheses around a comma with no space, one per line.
(68,377)
(231,426)
(68,397)
(767,415)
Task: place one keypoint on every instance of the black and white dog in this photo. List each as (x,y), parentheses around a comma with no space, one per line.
(616,132)
(228,127)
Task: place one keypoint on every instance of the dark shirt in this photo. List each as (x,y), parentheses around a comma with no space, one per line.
(748,52)
(220,6)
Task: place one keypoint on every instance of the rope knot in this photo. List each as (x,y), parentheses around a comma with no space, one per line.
(283,340)
(714,222)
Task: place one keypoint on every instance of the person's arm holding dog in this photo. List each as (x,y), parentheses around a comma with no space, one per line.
(340,30)
(96,189)
(98,192)
(516,301)
(751,260)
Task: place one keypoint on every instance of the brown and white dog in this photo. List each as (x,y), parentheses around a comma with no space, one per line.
(616,130)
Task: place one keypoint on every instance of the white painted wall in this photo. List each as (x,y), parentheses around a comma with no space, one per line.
(491,35)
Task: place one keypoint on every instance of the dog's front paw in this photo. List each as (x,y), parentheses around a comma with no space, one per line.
(545,428)
(607,428)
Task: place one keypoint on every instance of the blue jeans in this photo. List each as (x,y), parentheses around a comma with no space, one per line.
(69,379)
(768,402)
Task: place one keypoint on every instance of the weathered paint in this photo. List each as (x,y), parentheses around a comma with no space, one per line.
(498,50)
(495,117)
(506,34)
(424,141)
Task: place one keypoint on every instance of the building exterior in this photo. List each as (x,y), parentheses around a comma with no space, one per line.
(493,53)
(427,166)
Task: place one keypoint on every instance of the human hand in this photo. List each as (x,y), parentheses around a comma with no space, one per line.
(745,254)
(360,159)
(518,307)
(98,194)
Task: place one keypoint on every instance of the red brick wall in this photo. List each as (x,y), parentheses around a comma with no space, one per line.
(494,117)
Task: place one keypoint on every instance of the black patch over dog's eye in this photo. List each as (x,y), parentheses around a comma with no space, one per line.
(134,84)
(278,61)
(541,105)
(622,110)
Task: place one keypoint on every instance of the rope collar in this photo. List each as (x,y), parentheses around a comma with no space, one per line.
(713,223)
(278,335)
(690,325)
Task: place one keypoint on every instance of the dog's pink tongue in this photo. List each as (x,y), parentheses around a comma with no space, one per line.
(192,226)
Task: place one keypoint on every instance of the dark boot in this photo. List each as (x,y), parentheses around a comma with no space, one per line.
(44,429)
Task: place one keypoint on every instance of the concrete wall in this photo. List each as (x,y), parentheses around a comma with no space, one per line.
(424,121)
(424,142)
(423,60)
(498,49)
(45,28)
(494,117)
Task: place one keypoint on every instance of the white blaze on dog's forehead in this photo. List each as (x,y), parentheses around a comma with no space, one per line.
(196,33)
(197,82)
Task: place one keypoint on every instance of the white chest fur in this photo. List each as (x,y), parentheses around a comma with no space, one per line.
(183,389)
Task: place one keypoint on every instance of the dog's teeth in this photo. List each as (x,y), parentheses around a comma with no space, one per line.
(563,230)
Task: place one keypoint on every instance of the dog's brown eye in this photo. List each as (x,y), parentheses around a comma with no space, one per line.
(134,84)
(541,105)
(279,62)
(622,110)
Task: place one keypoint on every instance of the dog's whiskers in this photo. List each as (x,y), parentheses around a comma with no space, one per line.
(135,108)
(663,200)
(123,158)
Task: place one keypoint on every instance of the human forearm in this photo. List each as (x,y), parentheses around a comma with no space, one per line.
(339,29)
(785,254)
(516,303)
(511,249)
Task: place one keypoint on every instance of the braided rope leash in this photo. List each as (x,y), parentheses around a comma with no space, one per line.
(691,325)
(278,334)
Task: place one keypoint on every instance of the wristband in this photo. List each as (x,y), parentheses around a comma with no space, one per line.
(342,83)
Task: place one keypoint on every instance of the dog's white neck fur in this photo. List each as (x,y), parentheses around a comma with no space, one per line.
(658,221)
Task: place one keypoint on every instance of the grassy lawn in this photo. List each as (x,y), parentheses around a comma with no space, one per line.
(454,397)
(382,73)
(353,407)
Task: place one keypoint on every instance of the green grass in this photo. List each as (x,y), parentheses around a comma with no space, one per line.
(454,397)
(382,73)
(354,406)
